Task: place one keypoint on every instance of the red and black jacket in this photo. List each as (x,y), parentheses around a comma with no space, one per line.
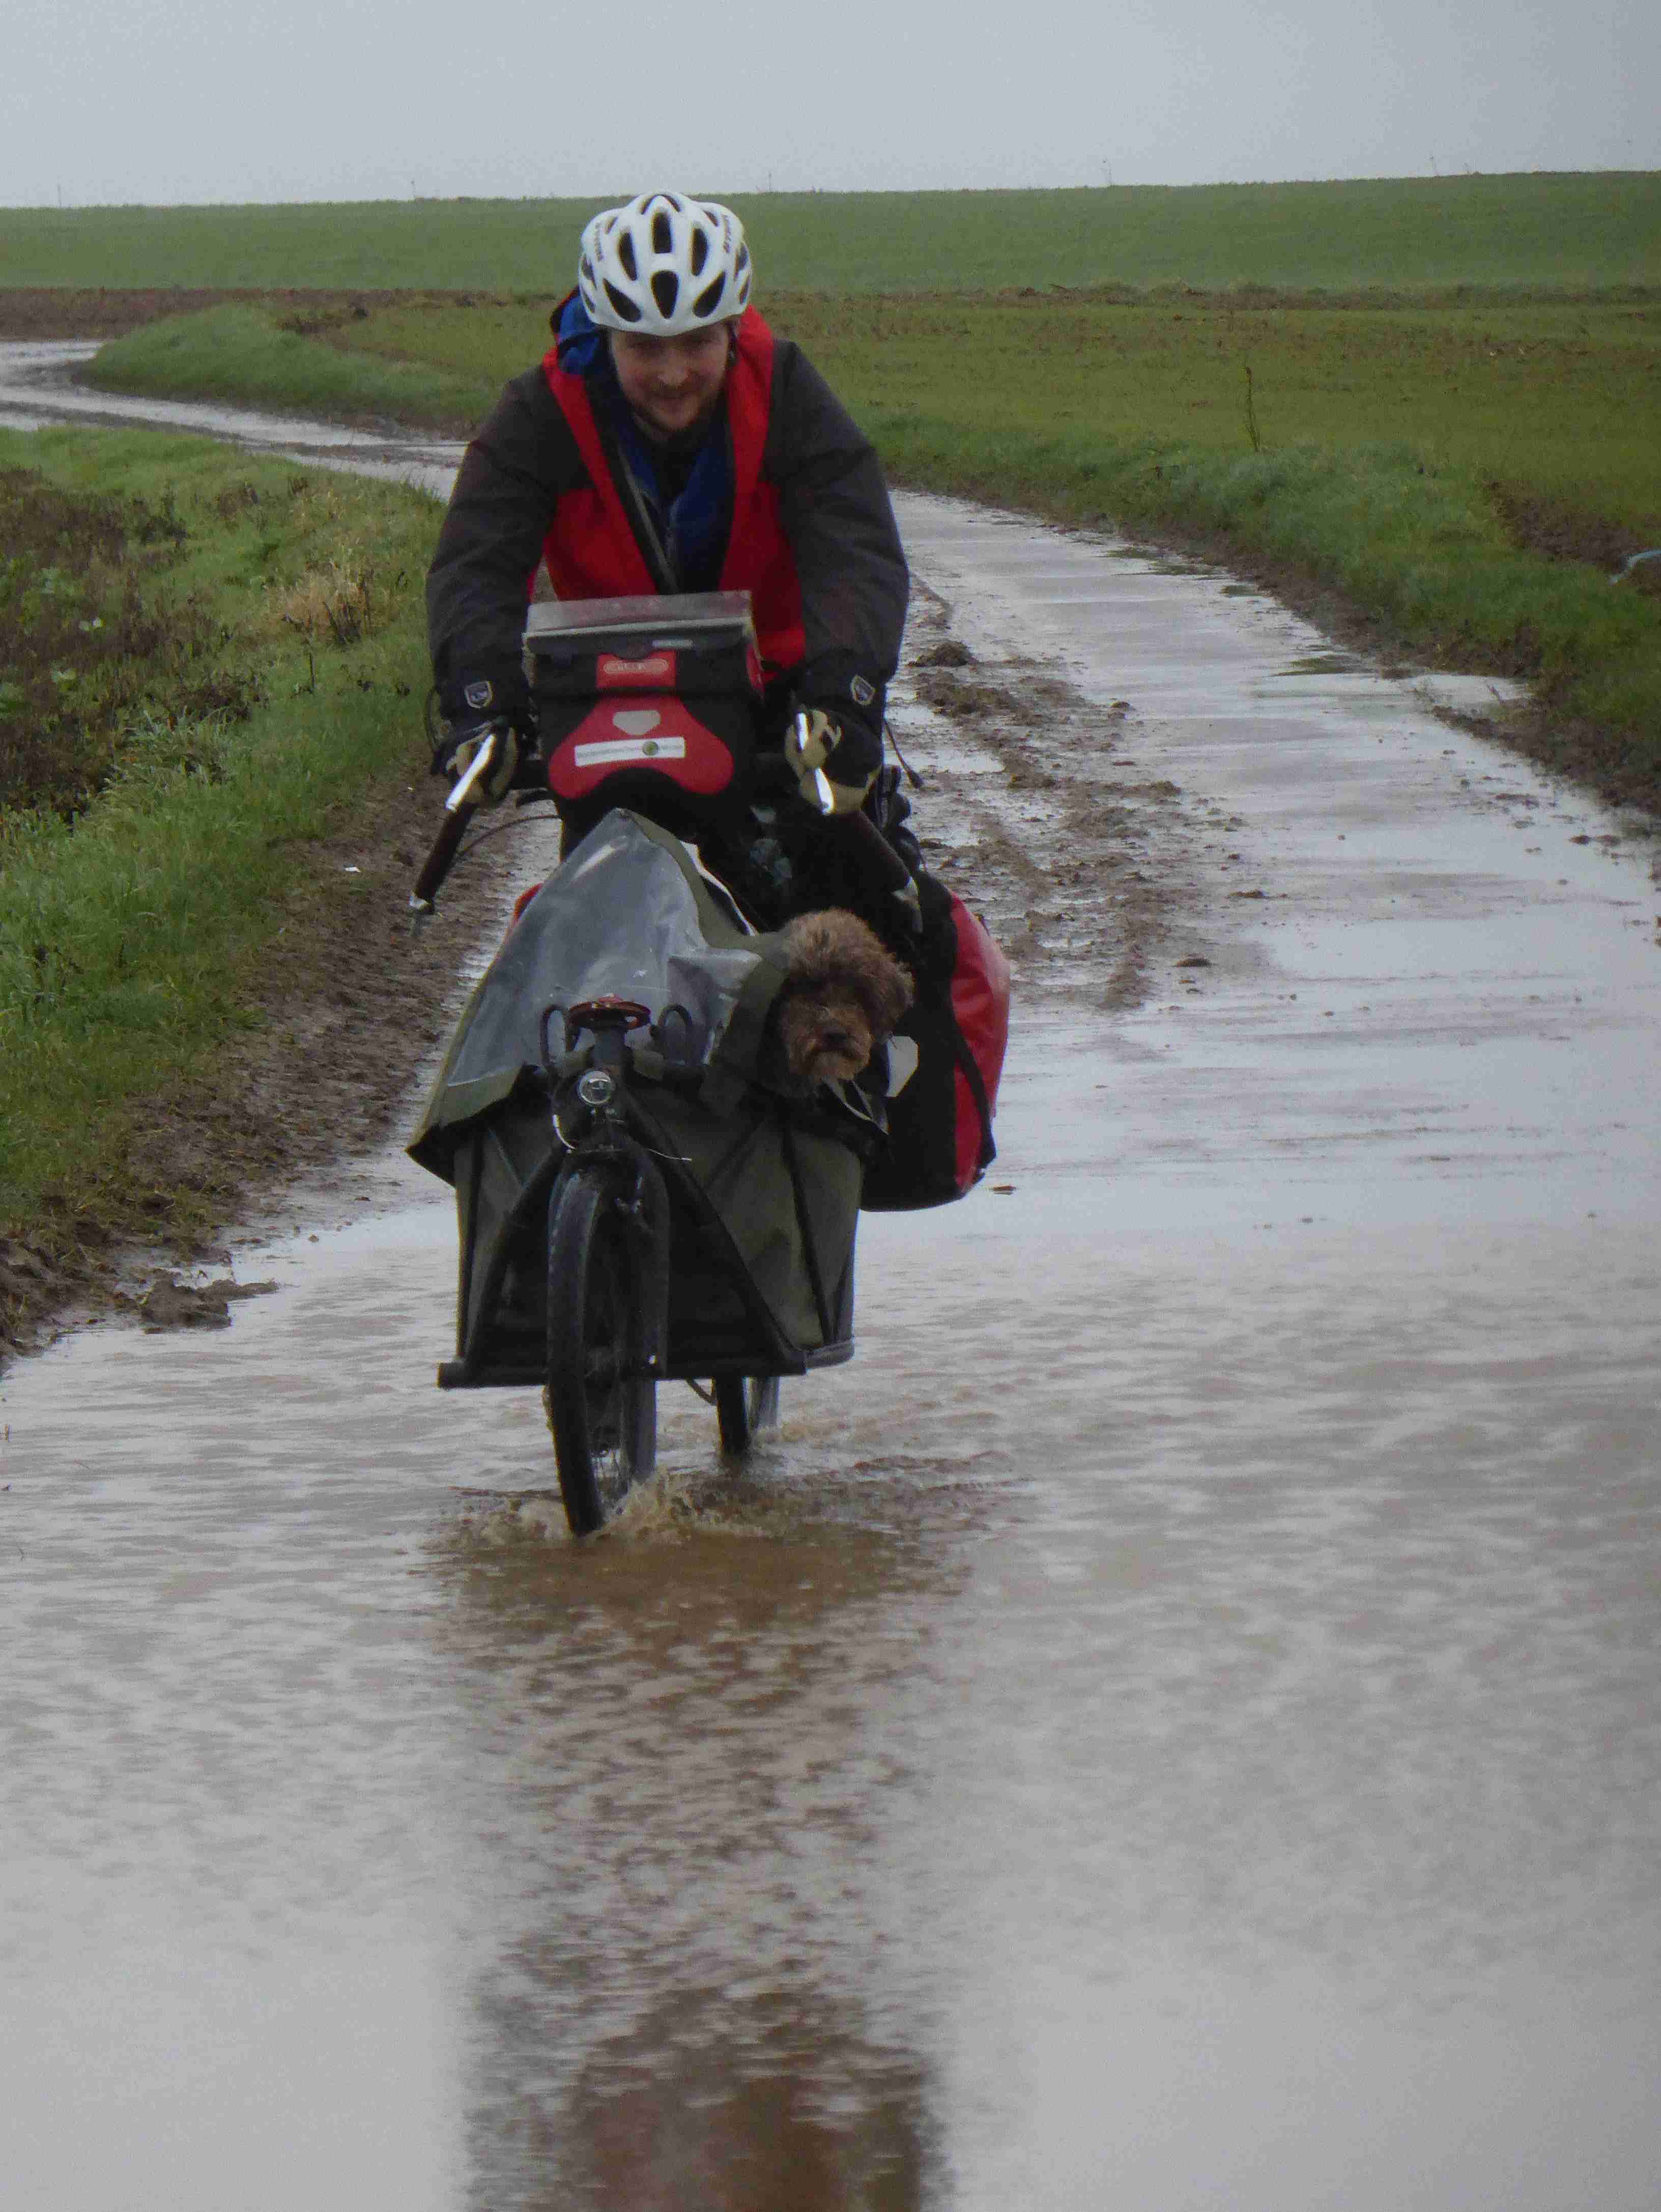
(811,534)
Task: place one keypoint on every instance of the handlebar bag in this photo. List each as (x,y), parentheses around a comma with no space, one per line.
(940,1118)
(642,696)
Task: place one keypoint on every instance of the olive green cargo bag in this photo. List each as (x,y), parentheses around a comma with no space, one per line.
(764,1183)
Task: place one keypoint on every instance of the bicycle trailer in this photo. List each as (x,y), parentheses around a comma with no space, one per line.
(763,1184)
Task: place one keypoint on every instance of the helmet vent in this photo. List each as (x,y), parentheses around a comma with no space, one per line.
(662,234)
(665,290)
(621,305)
(626,255)
(710,298)
(699,251)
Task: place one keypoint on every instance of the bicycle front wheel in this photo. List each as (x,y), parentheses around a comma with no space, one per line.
(602,1409)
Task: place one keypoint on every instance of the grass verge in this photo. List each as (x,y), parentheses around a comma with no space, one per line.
(143,919)
(1415,549)
(246,355)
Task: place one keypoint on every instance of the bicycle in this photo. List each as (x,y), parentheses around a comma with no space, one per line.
(638,1202)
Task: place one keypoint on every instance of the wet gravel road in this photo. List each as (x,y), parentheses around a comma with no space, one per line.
(1175,1724)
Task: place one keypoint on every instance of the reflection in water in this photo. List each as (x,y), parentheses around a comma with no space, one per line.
(678,1744)
(718,2102)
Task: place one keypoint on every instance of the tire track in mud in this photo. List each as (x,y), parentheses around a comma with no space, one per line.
(1034,810)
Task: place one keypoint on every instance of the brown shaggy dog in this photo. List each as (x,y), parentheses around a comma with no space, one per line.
(842,997)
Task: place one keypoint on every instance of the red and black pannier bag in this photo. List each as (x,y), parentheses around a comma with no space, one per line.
(644,703)
(940,1117)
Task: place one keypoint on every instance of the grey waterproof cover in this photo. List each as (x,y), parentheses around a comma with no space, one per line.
(628,915)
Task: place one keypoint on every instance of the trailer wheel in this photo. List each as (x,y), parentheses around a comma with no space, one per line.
(745,1404)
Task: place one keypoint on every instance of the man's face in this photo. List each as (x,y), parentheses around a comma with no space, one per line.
(672,383)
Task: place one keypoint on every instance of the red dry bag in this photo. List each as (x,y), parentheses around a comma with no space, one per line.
(940,1119)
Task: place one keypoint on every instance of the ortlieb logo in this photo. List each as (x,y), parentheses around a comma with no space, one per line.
(611,752)
(644,733)
(611,670)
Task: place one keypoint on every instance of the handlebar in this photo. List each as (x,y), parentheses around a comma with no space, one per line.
(868,850)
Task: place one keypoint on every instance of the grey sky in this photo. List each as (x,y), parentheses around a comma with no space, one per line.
(181,100)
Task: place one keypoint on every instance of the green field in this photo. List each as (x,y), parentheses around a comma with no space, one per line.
(1566,398)
(1555,232)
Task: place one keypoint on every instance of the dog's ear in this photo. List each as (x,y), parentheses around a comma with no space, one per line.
(891,993)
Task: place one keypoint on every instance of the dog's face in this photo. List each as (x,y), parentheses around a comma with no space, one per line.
(827,1034)
(843,996)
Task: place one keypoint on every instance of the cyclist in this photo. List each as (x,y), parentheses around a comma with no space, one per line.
(669,442)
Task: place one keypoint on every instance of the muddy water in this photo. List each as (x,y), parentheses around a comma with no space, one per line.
(1173,1723)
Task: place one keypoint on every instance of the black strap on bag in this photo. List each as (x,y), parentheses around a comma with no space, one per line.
(971,1067)
(804,1230)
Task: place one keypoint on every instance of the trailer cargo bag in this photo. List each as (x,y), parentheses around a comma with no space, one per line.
(766,1184)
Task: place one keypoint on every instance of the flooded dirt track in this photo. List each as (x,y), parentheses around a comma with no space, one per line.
(36,392)
(1173,1724)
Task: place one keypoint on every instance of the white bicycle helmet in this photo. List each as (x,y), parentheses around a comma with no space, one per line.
(663,265)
